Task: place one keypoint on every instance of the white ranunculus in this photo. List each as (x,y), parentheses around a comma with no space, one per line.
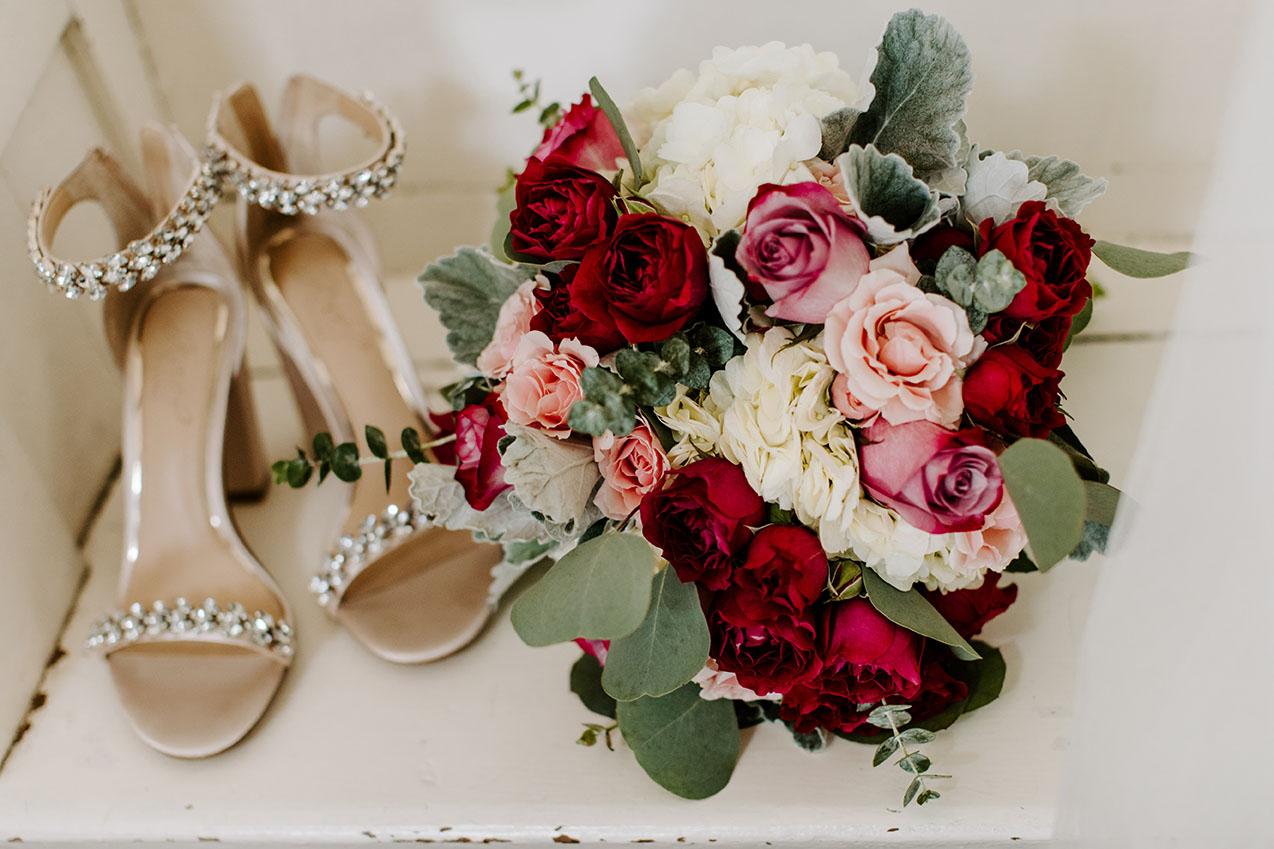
(750,117)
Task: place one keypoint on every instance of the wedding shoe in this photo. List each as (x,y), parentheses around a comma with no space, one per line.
(409,592)
(193,676)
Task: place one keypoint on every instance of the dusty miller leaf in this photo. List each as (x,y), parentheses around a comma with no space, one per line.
(439,495)
(887,195)
(468,289)
(997,186)
(1065,183)
(837,127)
(552,477)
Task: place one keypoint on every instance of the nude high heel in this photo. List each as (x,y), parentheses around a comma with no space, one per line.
(201,641)
(409,592)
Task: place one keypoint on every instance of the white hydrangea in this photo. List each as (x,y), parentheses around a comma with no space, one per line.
(697,429)
(750,116)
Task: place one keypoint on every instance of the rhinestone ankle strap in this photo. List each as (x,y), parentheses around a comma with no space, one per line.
(209,621)
(375,536)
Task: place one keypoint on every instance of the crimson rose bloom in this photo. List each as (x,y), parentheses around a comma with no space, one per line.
(561,210)
(560,318)
(648,280)
(939,480)
(583,137)
(702,520)
(784,573)
(769,657)
(479,429)
(1008,392)
(1043,341)
(969,610)
(1052,252)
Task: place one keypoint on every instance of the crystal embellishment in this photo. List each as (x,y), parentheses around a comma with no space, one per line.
(182,620)
(140,260)
(292,194)
(376,535)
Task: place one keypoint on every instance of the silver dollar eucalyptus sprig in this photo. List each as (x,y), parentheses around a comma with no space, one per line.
(344,460)
(892,718)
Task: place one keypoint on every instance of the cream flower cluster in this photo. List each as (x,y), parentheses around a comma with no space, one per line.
(749,117)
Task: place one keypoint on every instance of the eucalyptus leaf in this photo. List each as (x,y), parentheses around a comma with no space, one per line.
(588,417)
(1135,262)
(687,744)
(884,751)
(599,591)
(376,441)
(997,282)
(915,763)
(1064,182)
(1049,497)
(322,445)
(667,649)
(922,77)
(586,682)
(917,736)
(468,289)
(984,678)
(411,445)
(912,789)
(888,198)
(912,611)
(345,462)
(927,796)
(1079,323)
(505,202)
(1101,501)
(616,119)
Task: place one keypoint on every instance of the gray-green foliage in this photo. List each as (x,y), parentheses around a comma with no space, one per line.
(912,611)
(552,478)
(667,649)
(599,591)
(922,77)
(982,286)
(616,118)
(1066,184)
(687,744)
(1049,497)
(1135,262)
(889,198)
(468,289)
(892,718)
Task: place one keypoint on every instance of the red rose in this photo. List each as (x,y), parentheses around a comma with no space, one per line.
(969,610)
(767,657)
(939,480)
(479,429)
(702,520)
(444,425)
(561,210)
(597,648)
(929,247)
(1051,251)
(1007,392)
(939,689)
(1044,341)
(784,573)
(559,317)
(648,280)
(583,137)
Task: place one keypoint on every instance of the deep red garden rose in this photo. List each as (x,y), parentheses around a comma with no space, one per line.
(562,210)
(1051,251)
(802,248)
(1007,392)
(702,520)
(939,480)
(444,425)
(939,689)
(583,137)
(559,317)
(1044,341)
(930,245)
(767,657)
(785,572)
(969,610)
(479,429)
(648,280)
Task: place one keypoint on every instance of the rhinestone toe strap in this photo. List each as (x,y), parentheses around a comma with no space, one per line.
(209,621)
(140,260)
(374,537)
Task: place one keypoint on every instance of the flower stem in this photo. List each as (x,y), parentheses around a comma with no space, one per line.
(402,455)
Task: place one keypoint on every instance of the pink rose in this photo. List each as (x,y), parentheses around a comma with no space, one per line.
(993,547)
(544,382)
(802,249)
(597,648)
(715,683)
(939,480)
(900,349)
(513,323)
(832,178)
(851,407)
(583,137)
(631,466)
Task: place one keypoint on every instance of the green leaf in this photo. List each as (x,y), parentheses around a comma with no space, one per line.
(837,127)
(468,289)
(299,471)
(888,197)
(928,796)
(955,274)
(1022,564)
(912,789)
(676,353)
(998,281)
(505,202)
(1063,180)
(588,417)
(280,470)
(1049,497)
(885,751)
(912,611)
(597,382)
(687,744)
(376,442)
(411,446)
(599,591)
(322,445)
(389,479)
(1101,501)
(1079,323)
(915,763)
(923,75)
(715,344)
(621,129)
(984,678)
(556,478)
(1135,262)
(918,736)
(345,462)
(586,682)
(650,388)
(667,649)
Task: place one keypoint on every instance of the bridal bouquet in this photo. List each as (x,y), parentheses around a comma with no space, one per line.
(770,367)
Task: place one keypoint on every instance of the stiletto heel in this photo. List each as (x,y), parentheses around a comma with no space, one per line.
(193,676)
(408,591)
(245,466)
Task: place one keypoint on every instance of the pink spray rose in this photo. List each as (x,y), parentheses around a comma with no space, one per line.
(543,382)
(900,349)
(939,480)
(802,248)
(513,323)
(583,137)
(631,466)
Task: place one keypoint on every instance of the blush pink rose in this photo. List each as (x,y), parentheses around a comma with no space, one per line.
(901,350)
(851,407)
(544,382)
(832,178)
(513,323)
(993,547)
(802,248)
(631,466)
(715,683)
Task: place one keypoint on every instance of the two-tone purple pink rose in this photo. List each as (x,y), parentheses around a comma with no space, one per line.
(938,480)
(800,246)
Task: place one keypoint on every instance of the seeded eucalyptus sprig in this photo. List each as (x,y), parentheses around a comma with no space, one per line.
(343,460)
(892,718)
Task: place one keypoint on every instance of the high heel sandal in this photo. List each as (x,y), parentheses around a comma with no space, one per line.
(193,676)
(409,592)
